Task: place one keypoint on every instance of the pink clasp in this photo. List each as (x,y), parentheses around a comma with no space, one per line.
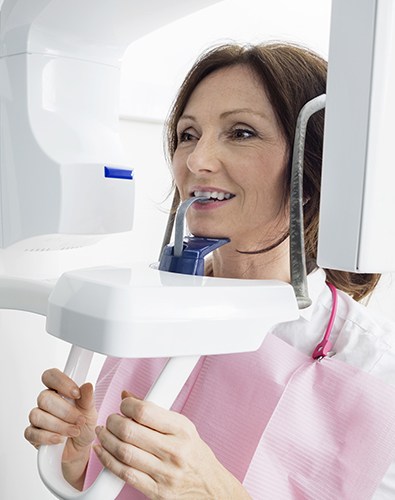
(322,349)
(325,345)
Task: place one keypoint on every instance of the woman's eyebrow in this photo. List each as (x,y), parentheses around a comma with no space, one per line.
(225,114)
(187,117)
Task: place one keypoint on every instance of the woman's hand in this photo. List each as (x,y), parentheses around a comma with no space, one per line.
(160,453)
(56,419)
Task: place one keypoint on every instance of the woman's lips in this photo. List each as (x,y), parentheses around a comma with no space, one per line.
(210,204)
(215,194)
(216,197)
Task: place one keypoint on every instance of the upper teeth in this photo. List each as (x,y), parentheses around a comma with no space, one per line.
(209,194)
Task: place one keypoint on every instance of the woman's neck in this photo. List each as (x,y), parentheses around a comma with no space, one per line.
(274,264)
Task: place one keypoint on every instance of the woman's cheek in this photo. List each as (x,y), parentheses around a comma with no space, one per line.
(179,173)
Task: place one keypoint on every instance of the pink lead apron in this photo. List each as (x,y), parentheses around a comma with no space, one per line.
(308,429)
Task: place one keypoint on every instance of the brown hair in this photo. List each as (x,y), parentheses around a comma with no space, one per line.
(291,75)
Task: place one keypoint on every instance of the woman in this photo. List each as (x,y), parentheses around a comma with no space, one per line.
(230,136)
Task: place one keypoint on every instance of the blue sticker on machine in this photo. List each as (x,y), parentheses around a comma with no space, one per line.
(118,173)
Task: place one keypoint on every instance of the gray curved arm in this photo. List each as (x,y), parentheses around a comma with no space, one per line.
(180,222)
(296,228)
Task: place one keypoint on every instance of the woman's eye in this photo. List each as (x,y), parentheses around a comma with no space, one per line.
(242,133)
(185,136)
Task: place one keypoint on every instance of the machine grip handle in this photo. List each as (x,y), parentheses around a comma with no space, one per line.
(107,486)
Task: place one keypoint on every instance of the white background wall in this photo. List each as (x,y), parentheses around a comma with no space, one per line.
(153,68)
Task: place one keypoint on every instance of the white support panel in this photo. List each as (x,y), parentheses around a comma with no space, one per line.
(357,199)
(62,165)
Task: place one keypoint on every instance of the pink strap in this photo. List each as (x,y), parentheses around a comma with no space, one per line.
(325,345)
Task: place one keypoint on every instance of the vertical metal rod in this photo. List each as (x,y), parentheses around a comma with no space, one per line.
(296,228)
(170,223)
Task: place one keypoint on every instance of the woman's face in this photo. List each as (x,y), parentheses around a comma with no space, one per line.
(230,148)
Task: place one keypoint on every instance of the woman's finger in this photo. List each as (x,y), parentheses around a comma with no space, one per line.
(129,454)
(139,480)
(38,437)
(138,435)
(56,380)
(45,421)
(50,402)
(153,416)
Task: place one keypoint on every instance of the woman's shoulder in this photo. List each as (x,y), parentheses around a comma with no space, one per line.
(365,338)
(355,315)
(365,319)
(361,336)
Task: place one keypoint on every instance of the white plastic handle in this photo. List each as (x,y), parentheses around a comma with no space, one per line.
(107,486)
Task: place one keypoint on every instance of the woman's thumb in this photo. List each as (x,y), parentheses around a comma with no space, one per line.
(128,394)
(86,401)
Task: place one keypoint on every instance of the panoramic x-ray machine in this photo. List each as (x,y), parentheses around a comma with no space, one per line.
(64,182)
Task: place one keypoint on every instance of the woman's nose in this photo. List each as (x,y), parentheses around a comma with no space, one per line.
(205,157)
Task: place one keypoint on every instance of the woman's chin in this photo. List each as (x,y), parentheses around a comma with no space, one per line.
(206,232)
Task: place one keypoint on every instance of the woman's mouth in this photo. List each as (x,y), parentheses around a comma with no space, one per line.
(213,195)
(214,198)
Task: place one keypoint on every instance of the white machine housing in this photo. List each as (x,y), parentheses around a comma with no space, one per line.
(58,132)
(59,117)
(140,312)
(356,231)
